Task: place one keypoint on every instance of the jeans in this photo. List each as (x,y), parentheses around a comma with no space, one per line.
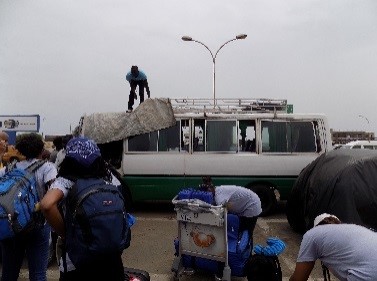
(36,245)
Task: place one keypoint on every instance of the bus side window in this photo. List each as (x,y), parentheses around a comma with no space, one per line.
(185,135)
(198,139)
(221,136)
(144,142)
(303,137)
(274,136)
(246,135)
(168,139)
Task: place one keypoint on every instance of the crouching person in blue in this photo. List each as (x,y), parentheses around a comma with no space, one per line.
(238,200)
(93,243)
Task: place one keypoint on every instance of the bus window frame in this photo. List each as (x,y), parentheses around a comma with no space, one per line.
(288,142)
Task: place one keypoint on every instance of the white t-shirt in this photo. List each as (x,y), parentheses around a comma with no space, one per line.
(59,158)
(348,250)
(239,200)
(44,174)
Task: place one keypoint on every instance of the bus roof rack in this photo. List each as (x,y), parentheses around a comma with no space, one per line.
(230,105)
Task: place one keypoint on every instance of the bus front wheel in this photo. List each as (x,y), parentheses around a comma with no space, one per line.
(267,197)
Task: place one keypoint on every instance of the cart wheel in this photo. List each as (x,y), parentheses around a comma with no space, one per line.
(226,274)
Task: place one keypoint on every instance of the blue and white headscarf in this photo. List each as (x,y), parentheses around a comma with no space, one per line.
(83,150)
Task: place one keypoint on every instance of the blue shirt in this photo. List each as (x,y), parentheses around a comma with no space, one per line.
(140,77)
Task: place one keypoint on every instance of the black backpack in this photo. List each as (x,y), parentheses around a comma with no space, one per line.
(95,220)
(263,268)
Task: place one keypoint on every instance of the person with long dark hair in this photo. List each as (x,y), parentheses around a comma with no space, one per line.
(83,160)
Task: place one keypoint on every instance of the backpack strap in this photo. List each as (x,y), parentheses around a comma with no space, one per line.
(35,166)
(10,166)
(278,267)
(32,169)
(325,271)
(64,257)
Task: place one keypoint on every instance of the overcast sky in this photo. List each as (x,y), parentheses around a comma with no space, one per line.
(62,59)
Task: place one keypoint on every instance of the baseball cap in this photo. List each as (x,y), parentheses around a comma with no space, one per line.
(83,150)
(321,217)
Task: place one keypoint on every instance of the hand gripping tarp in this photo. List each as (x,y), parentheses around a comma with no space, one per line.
(149,116)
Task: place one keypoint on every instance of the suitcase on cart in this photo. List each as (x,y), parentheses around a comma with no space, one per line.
(206,241)
(239,252)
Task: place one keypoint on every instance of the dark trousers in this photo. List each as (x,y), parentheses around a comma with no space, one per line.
(248,223)
(133,84)
(35,245)
(106,268)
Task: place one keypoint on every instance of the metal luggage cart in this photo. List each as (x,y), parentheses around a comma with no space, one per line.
(202,232)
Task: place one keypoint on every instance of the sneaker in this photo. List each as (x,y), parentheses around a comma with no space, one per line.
(129,111)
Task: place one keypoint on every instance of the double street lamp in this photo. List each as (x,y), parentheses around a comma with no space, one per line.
(238,37)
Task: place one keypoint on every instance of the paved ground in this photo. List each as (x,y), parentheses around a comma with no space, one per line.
(152,244)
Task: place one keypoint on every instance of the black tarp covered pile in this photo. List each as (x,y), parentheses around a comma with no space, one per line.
(342,182)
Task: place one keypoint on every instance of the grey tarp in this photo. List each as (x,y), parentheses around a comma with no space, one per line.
(342,182)
(151,115)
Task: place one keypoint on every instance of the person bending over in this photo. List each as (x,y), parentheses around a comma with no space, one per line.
(347,250)
(136,78)
(238,200)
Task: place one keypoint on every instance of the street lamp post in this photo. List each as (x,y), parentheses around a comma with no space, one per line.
(238,37)
(366,130)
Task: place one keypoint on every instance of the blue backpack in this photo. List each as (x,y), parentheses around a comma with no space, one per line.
(95,220)
(19,198)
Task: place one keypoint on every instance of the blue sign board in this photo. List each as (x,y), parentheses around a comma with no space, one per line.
(19,123)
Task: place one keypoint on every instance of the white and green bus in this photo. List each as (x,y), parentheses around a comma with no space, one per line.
(256,143)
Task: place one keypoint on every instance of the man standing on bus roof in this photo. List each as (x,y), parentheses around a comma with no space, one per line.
(238,200)
(136,78)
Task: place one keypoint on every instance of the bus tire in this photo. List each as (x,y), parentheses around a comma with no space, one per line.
(267,197)
(294,210)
